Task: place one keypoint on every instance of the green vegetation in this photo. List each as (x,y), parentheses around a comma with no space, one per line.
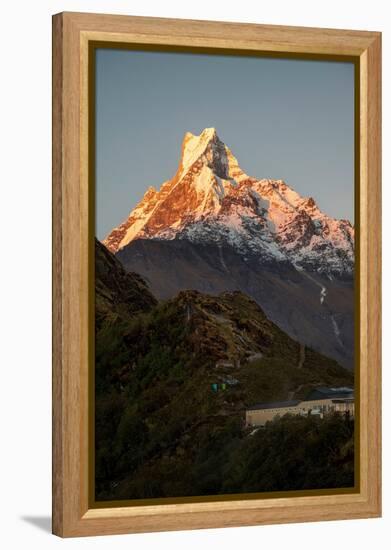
(161,430)
(293,453)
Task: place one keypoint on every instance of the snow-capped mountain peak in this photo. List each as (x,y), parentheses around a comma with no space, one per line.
(194,146)
(211,199)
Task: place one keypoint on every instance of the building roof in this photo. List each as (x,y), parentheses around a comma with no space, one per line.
(329,393)
(274,405)
(322,392)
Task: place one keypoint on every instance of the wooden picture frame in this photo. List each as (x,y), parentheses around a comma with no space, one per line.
(73,33)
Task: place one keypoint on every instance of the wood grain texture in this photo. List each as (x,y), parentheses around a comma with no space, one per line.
(222,35)
(57,370)
(370,374)
(72,32)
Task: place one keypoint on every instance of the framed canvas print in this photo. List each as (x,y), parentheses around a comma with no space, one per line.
(216,239)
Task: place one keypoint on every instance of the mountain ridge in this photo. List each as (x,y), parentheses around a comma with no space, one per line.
(211,199)
(308,306)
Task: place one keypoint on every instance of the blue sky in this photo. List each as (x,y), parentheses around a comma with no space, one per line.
(282,119)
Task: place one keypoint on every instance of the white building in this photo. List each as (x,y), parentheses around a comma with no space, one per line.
(320,401)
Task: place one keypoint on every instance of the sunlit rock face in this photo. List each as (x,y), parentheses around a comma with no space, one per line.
(211,199)
(214,228)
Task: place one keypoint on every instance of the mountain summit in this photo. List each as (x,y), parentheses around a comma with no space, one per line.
(211,200)
(213,228)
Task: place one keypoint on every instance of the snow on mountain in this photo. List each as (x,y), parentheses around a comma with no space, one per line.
(211,200)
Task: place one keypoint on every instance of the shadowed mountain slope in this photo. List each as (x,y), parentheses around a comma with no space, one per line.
(162,428)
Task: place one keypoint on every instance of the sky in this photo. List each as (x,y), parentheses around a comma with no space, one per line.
(282,119)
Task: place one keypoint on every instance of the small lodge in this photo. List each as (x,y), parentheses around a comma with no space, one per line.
(320,401)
